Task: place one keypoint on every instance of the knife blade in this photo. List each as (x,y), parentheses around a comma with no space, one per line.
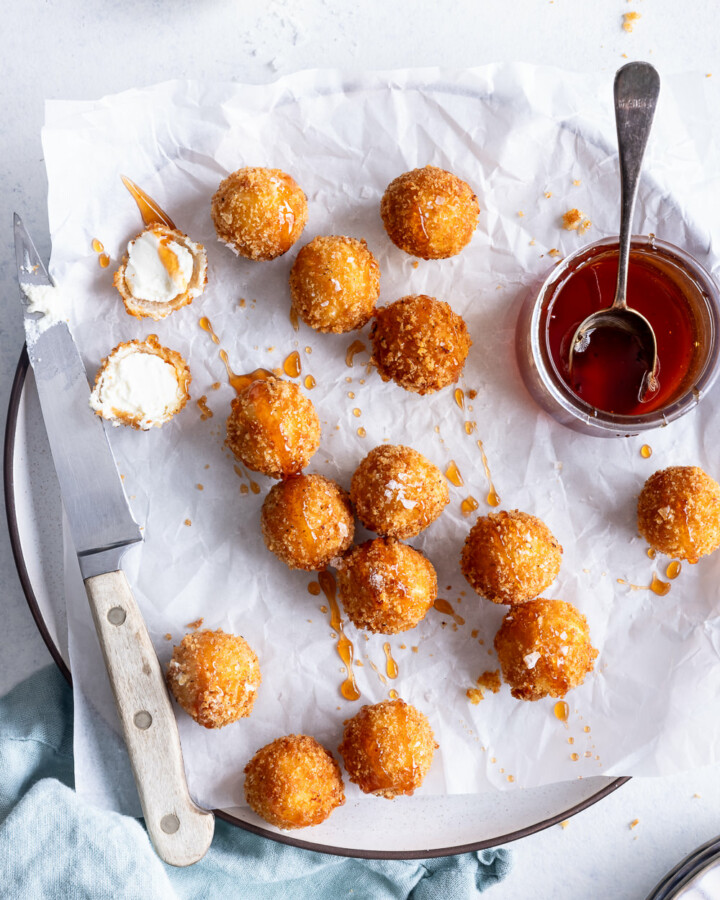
(103,528)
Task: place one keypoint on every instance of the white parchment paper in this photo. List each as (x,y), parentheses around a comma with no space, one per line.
(522,137)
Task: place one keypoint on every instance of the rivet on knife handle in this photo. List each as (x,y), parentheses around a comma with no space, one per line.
(181,832)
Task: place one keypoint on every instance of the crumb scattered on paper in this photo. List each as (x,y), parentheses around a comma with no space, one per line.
(629,20)
(196,624)
(575,220)
(634,823)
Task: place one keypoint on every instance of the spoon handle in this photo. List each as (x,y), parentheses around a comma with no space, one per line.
(637,86)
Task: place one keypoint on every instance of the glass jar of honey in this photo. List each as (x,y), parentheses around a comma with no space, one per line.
(601,397)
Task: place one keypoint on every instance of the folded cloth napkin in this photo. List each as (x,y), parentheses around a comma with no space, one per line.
(52,845)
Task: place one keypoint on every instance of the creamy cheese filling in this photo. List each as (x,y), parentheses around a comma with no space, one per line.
(158,268)
(138,385)
(45,299)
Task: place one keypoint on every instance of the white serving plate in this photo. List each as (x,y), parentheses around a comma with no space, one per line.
(415,827)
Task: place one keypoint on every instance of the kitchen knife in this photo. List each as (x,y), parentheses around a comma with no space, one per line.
(102,529)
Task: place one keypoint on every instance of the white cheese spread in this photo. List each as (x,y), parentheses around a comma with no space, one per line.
(47,300)
(158,269)
(138,386)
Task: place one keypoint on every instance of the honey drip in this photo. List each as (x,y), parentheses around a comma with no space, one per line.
(393,694)
(561,710)
(354,348)
(651,552)
(204,323)
(357,413)
(470,427)
(361,432)
(492,498)
(314,589)
(310,382)
(253,485)
(574,757)
(468,505)
(240,382)
(104,260)
(292,365)
(205,411)
(97,246)
(151,213)
(673,570)
(442,606)
(391,667)
(460,398)
(294,318)
(646,451)
(377,671)
(348,688)
(659,587)
(452,473)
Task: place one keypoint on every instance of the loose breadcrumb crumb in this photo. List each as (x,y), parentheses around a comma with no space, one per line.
(548,195)
(490,680)
(629,20)
(168,636)
(634,824)
(577,182)
(520,213)
(565,824)
(474,695)
(196,624)
(554,253)
(575,220)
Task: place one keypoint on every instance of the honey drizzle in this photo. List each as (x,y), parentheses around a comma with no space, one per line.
(377,671)
(348,688)
(646,451)
(294,318)
(104,260)
(151,213)
(240,382)
(97,246)
(492,498)
(205,411)
(651,552)
(310,382)
(561,710)
(442,606)
(292,365)
(452,473)
(205,324)
(393,694)
(468,506)
(254,486)
(673,570)
(661,588)
(460,398)
(391,667)
(352,350)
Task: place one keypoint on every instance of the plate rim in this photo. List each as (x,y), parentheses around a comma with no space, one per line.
(16,393)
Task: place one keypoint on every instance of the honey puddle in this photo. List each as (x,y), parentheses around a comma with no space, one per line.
(151,213)
(391,667)
(348,688)
(310,382)
(103,258)
(646,451)
(452,473)
(205,324)
(661,588)
(460,398)
(561,710)
(469,505)
(673,570)
(253,485)
(352,350)
(292,365)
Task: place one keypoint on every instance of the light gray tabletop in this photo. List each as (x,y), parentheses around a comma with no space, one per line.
(77,50)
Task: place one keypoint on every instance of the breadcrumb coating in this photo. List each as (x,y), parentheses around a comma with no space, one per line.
(307,521)
(510,557)
(386,586)
(679,512)
(214,676)
(259,213)
(293,782)
(419,343)
(196,284)
(273,428)
(397,492)
(429,213)
(334,283)
(544,649)
(388,748)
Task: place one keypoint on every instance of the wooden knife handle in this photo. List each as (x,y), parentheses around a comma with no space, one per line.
(181,832)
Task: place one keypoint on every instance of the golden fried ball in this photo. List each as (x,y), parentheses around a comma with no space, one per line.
(386,586)
(334,283)
(397,492)
(214,677)
(259,213)
(307,521)
(679,512)
(544,649)
(429,213)
(293,782)
(273,428)
(419,343)
(510,557)
(388,748)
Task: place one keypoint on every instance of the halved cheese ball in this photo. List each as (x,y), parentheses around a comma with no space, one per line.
(141,384)
(162,271)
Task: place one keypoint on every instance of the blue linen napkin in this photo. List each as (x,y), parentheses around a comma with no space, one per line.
(52,845)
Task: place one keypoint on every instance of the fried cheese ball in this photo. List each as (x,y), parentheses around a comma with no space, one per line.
(273,428)
(388,748)
(334,284)
(419,343)
(429,213)
(386,586)
(307,521)
(259,213)
(510,557)
(397,492)
(293,782)
(679,512)
(544,649)
(214,677)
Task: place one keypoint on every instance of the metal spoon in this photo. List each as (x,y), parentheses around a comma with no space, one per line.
(636,90)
